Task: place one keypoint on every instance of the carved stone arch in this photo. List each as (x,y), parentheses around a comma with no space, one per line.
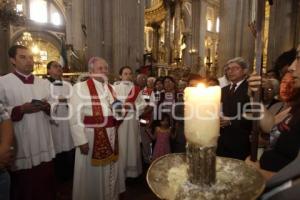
(44,35)
(61,6)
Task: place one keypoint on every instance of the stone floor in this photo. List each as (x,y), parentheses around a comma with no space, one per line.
(136,189)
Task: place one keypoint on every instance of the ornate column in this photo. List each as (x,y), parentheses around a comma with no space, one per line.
(177,32)
(69,21)
(136,36)
(203,23)
(195,40)
(115,31)
(198,34)
(75,20)
(5,43)
(128,33)
(186,10)
(282,28)
(94,27)
(107,29)
(120,33)
(167,32)
(8,17)
(155,41)
(297,6)
(236,38)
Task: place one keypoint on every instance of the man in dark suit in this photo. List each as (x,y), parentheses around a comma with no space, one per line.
(235,129)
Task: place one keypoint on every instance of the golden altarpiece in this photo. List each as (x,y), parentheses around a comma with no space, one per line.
(169,36)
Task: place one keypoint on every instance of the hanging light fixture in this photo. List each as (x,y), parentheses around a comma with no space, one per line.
(9,14)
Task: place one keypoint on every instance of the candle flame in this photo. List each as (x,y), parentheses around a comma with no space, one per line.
(201,85)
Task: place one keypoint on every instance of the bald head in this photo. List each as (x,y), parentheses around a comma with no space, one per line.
(94,60)
(98,68)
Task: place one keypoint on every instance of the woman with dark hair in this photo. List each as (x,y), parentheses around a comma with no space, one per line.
(287,145)
(283,62)
(168,103)
(169,98)
(179,141)
(157,95)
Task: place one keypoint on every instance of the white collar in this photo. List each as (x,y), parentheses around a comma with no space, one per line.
(26,76)
(237,84)
(126,82)
(99,83)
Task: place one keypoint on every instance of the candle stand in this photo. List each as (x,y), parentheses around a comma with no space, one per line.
(199,174)
(201,164)
(169,178)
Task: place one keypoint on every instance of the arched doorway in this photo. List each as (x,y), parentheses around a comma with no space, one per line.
(44,47)
(44,30)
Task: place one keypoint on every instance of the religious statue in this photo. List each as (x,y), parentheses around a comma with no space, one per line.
(162,52)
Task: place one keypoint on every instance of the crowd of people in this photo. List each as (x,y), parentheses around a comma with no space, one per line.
(98,134)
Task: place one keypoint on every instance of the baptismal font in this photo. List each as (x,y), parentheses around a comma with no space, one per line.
(200,174)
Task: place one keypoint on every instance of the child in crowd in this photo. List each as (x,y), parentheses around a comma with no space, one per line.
(162,134)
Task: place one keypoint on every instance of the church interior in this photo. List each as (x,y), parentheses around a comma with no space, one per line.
(157,38)
(196,36)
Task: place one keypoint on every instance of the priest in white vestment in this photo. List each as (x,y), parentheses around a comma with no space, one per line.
(25,96)
(96,173)
(129,129)
(61,132)
(60,93)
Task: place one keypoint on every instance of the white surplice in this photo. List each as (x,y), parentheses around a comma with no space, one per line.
(129,131)
(33,138)
(60,126)
(93,182)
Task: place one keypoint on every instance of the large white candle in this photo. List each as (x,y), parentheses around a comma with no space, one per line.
(201,112)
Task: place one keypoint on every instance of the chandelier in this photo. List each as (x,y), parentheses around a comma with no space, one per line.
(41,51)
(10,15)
(26,40)
(34,45)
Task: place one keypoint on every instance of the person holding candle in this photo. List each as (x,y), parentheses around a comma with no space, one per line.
(169,101)
(287,145)
(235,130)
(286,183)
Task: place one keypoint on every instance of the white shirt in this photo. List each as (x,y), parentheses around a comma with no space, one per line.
(237,84)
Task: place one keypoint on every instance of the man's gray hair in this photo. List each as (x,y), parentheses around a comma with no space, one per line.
(92,61)
(240,61)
